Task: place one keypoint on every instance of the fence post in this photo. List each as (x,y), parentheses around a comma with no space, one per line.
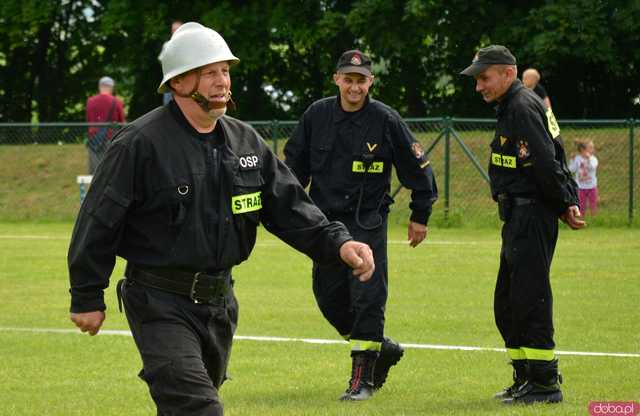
(275,131)
(83,183)
(631,168)
(447,151)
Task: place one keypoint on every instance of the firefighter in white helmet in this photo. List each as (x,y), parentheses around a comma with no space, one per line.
(179,195)
(191,50)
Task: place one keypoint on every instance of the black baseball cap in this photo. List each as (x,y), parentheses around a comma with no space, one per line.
(354,61)
(490,55)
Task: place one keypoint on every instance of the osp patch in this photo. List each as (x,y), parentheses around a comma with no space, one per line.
(249,162)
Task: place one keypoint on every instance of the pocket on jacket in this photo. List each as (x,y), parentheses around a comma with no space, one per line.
(176,197)
(318,156)
(246,201)
(111,207)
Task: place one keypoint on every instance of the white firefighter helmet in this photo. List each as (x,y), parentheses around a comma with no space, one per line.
(190,47)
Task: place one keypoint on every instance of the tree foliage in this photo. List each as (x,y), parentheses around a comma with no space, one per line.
(588,53)
(52,53)
(48,52)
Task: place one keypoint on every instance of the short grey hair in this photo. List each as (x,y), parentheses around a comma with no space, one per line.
(106,81)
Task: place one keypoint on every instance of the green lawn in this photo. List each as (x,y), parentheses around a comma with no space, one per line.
(40,180)
(440,293)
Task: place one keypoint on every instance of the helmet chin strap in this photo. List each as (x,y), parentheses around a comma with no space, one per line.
(205,103)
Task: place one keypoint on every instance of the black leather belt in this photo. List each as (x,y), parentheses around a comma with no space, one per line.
(506,203)
(518,201)
(201,287)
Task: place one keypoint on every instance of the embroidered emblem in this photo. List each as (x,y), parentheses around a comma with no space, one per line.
(246,203)
(416,148)
(355,60)
(249,162)
(523,150)
(372,147)
(503,140)
(503,160)
(358,167)
(552,123)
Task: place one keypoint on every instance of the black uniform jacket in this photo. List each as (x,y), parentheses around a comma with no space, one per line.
(331,148)
(527,158)
(163,198)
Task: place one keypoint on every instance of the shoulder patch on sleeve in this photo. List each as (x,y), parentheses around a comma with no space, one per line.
(552,124)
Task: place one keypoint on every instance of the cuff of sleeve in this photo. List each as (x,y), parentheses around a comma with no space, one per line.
(562,208)
(339,236)
(339,242)
(420,216)
(87,301)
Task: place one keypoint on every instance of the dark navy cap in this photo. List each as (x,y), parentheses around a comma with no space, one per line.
(354,61)
(490,55)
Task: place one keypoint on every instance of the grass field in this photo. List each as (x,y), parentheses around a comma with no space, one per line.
(40,180)
(440,293)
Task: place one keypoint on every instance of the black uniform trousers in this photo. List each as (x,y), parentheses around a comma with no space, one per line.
(184,346)
(523,303)
(355,308)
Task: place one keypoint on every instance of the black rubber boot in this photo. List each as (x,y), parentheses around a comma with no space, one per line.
(520,374)
(390,353)
(361,383)
(543,385)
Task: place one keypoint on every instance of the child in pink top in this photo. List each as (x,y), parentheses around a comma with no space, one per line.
(583,166)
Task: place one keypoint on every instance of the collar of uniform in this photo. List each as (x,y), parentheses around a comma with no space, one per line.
(356,117)
(182,120)
(506,98)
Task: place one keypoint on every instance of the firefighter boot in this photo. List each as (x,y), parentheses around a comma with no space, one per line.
(542,386)
(361,383)
(520,374)
(390,353)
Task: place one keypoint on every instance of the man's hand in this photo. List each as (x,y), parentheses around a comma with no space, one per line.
(570,217)
(88,321)
(359,257)
(416,233)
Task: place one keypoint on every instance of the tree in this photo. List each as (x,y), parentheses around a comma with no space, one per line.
(53,53)
(46,56)
(586,51)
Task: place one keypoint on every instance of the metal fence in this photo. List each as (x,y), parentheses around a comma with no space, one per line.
(459,151)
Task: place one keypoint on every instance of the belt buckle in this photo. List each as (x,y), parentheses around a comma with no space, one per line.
(192,293)
(211,297)
(214,290)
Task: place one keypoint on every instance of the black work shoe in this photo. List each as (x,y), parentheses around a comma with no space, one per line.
(531,393)
(542,385)
(361,383)
(390,353)
(520,373)
(362,392)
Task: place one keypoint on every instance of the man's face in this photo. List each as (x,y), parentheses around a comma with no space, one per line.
(493,82)
(215,85)
(353,88)
(215,81)
(529,80)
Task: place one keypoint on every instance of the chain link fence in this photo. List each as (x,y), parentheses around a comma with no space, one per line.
(457,147)
(461,153)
